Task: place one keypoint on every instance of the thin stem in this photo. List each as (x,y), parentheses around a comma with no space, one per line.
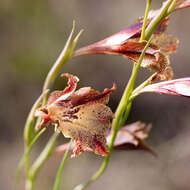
(171,8)
(116,122)
(157,20)
(145,20)
(141,86)
(125,103)
(63,57)
(45,154)
(24,157)
(28,129)
(61,167)
(126,114)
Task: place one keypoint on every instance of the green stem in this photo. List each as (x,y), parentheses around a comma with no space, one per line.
(61,167)
(145,20)
(29,184)
(28,129)
(116,122)
(141,86)
(25,156)
(171,8)
(125,103)
(158,19)
(62,59)
(126,114)
(44,155)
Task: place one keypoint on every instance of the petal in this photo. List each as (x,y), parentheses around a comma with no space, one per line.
(179,87)
(126,43)
(180,4)
(108,45)
(131,134)
(88,95)
(116,39)
(62,148)
(131,137)
(57,96)
(89,127)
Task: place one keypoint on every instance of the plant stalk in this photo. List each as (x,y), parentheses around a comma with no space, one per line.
(61,167)
(145,19)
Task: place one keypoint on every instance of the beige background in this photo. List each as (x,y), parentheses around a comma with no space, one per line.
(32,34)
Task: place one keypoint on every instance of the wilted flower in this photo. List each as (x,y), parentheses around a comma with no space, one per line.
(81,115)
(178,87)
(129,137)
(126,43)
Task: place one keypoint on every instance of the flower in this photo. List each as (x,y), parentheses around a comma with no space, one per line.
(81,115)
(178,87)
(126,43)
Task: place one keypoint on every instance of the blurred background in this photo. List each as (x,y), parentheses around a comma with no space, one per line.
(32,34)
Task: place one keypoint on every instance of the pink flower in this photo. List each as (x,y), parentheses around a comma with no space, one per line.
(178,87)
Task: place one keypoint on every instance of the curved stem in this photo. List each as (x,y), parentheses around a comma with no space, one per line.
(31,120)
(29,127)
(45,154)
(116,122)
(25,156)
(61,167)
(63,57)
(141,86)
(145,19)
(157,20)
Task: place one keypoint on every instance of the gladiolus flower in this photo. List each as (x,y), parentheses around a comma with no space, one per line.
(81,115)
(126,43)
